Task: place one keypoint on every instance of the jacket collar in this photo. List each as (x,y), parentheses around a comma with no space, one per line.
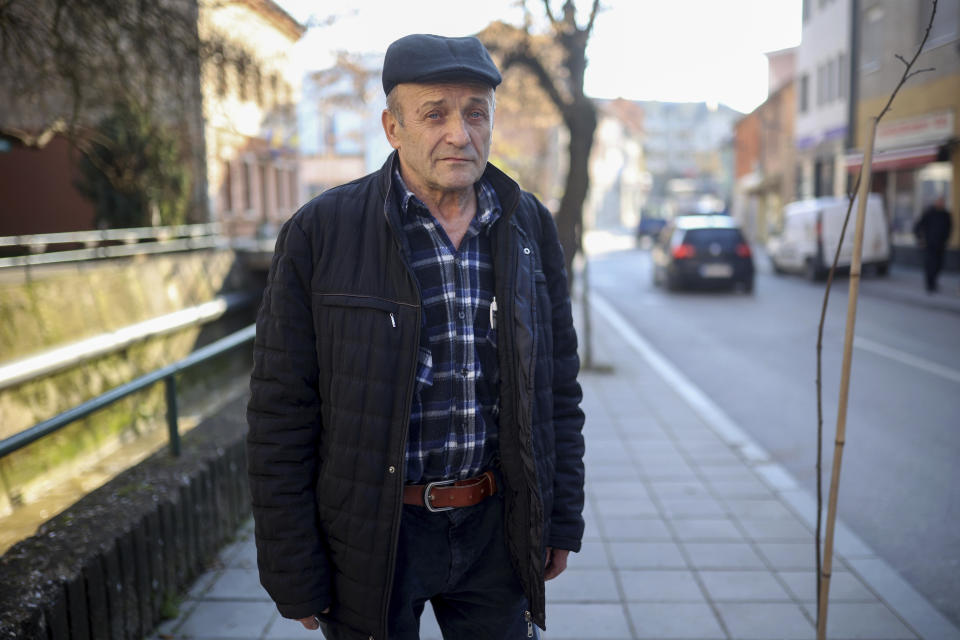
(508,191)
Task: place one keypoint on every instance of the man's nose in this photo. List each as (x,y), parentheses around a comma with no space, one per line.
(457,132)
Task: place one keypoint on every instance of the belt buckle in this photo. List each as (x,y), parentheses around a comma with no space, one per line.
(426,495)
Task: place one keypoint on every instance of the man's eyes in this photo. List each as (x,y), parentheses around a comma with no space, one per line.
(476,114)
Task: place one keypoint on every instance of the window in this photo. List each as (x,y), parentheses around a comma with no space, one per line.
(264,200)
(221,75)
(842,76)
(831,80)
(806,10)
(872,40)
(292,177)
(227,187)
(819,85)
(278,181)
(247,186)
(804,89)
(242,84)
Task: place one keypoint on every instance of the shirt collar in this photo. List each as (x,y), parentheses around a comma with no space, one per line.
(488,204)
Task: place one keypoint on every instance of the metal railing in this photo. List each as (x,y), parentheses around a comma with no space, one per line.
(76,353)
(166,374)
(135,241)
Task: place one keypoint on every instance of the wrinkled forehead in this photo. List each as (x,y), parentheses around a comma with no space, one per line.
(417,94)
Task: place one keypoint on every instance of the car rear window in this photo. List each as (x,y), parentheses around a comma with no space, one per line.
(726,238)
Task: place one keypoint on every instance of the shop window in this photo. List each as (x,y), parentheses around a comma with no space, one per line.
(903,206)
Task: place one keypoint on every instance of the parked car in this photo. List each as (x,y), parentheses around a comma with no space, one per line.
(811,233)
(708,250)
(650,227)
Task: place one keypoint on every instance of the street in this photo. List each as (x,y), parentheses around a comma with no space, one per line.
(754,356)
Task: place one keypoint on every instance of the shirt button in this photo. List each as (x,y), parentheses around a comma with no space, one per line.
(526,251)
(462,315)
(392,469)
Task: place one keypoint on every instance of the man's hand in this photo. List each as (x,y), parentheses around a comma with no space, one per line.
(556,563)
(313,622)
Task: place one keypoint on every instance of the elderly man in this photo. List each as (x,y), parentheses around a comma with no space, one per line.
(415,430)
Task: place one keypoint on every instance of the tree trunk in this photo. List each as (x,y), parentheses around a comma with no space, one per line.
(581,121)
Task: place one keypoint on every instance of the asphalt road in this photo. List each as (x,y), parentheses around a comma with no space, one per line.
(755,356)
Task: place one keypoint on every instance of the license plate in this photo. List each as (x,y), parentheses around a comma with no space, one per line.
(718,270)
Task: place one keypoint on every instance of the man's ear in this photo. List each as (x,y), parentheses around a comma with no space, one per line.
(390,125)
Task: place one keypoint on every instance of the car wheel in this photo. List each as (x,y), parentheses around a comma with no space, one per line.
(747,285)
(882,269)
(672,283)
(812,271)
(777,269)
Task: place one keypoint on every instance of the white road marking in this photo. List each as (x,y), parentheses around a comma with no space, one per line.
(905,358)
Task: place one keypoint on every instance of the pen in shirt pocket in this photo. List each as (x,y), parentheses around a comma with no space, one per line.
(493,313)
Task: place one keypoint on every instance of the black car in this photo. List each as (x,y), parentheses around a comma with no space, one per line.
(702,250)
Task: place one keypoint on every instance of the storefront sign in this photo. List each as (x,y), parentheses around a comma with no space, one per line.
(931,127)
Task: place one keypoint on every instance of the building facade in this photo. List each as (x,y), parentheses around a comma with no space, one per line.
(823,98)
(685,153)
(229,96)
(765,165)
(250,93)
(916,150)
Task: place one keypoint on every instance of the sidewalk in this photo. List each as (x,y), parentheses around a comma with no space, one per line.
(906,284)
(692,532)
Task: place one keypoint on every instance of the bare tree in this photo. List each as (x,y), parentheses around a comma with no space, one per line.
(562,81)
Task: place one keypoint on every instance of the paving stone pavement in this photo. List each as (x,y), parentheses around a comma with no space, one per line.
(692,533)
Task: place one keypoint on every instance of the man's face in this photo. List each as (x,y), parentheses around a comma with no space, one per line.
(444,140)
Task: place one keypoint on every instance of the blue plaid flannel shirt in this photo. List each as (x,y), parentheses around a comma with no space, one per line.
(453,418)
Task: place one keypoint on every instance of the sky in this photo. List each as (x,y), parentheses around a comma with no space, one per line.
(670,50)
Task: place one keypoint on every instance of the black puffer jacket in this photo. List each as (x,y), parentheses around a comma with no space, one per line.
(334,368)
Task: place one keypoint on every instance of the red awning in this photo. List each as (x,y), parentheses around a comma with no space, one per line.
(905,158)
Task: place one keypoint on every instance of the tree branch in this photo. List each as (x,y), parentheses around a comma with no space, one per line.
(594,10)
(534,65)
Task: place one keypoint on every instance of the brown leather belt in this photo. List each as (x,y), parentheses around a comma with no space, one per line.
(447,494)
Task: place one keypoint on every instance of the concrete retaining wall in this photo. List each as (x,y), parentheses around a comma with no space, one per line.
(112,564)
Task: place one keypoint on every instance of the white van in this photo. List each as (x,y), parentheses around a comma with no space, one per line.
(811,232)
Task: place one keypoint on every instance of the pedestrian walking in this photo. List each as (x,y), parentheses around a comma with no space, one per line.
(414,424)
(933,231)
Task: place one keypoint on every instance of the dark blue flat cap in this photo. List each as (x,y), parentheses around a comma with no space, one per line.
(427,58)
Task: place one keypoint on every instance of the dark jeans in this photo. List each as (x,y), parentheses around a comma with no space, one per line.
(458,560)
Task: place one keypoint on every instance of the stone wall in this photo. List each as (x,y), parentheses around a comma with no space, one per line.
(112,564)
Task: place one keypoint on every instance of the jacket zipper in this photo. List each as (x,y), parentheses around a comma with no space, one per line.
(411,379)
(526,614)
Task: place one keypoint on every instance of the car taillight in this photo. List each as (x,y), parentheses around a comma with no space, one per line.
(683,251)
(743,250)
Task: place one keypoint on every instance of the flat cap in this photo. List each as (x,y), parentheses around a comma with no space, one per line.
(427,58)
